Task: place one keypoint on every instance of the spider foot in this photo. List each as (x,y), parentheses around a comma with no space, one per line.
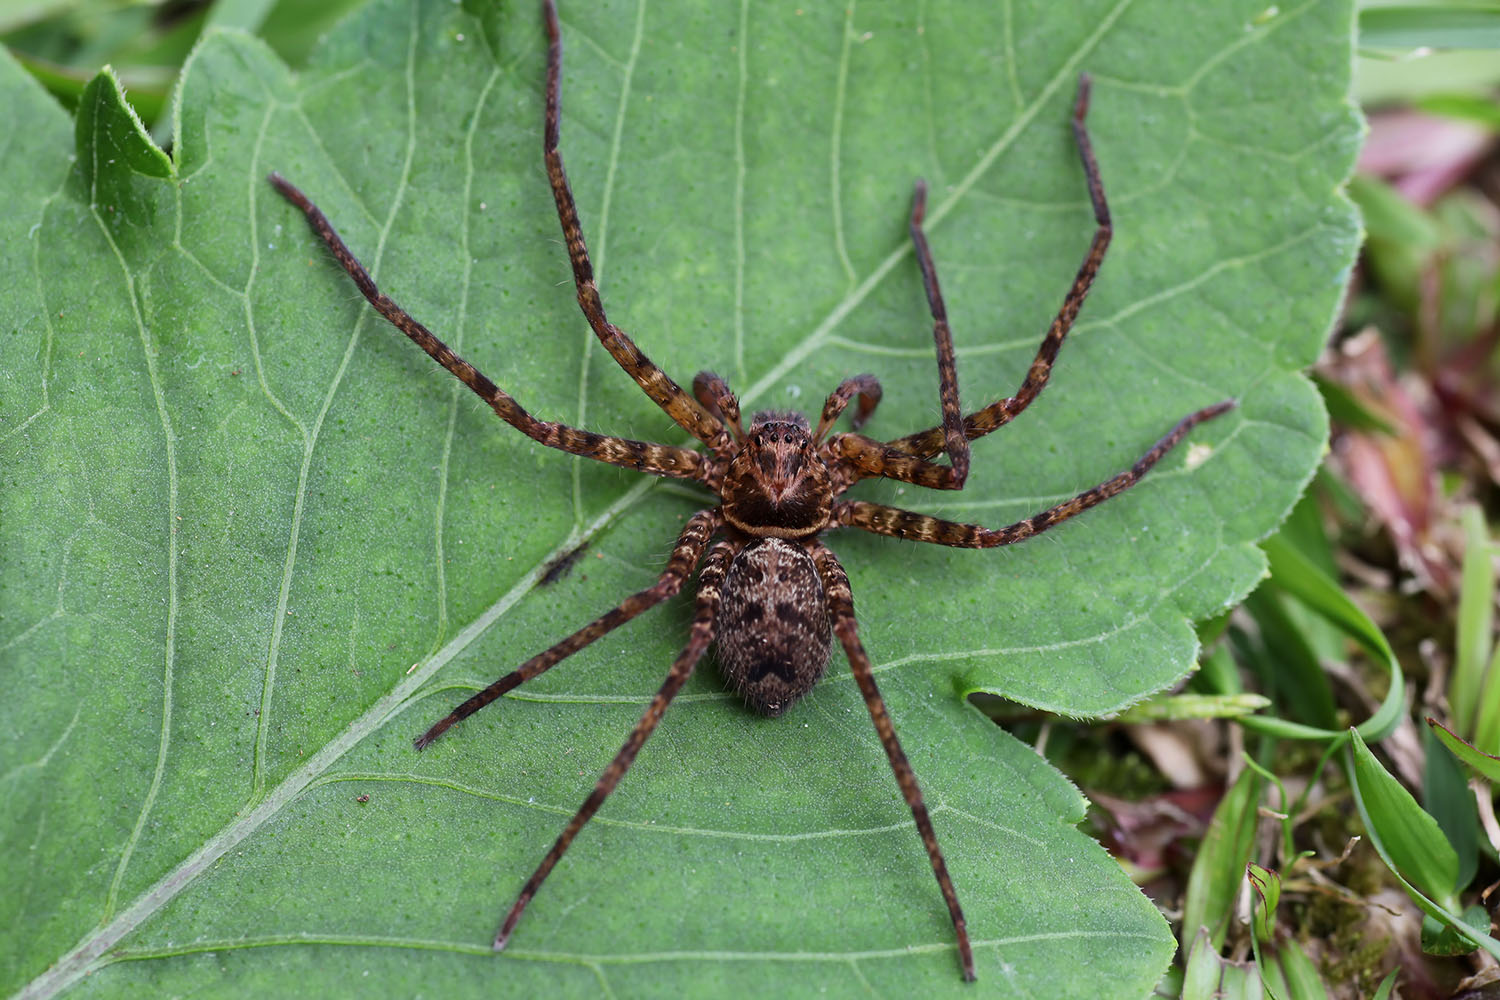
(502,937)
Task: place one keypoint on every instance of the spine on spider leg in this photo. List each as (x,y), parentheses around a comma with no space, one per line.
(1110,488)
(557,174)
(866,387)
(992,417)
(713,393)
(872,458)
(1083,281)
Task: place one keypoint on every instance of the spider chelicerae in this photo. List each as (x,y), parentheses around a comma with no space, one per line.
(770,594)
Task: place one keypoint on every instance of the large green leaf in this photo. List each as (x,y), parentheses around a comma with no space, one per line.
(253,542)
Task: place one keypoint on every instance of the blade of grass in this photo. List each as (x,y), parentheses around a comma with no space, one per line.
(1200,977)
(1300,578)
(1463,107)
(1411,836)
(1446,795)
(1487,765)
(1291,671)
(1210,976)
(1293,973)
(1217,674)
(1220,864)
(1436,26)
(1442,938)
(1427,906)
(1476,623)
(1286,808)
(1194,706)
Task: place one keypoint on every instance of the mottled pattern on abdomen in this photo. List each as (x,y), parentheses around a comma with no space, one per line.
(773,626)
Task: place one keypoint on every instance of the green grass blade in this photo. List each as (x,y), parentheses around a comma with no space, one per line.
(1220,864)
(1407,833)
(1476,626)
(1486,764)
(1294,573)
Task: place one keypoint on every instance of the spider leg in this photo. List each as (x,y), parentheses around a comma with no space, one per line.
(954,441)
(865,457)
(658,459)
(700,636)
(713,392)
(666,393)
(1001,412)
(841,610)
(690,545)
(883,520)
(867,387)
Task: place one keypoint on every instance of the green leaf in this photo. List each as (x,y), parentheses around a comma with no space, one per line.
(1488,765)
(1420,852)
(1438,26)
(1290,974)
(1413,846)
(253,542)
(1265,883)
(1219,867)
(1446,796)
(1298,576)
(1476,626)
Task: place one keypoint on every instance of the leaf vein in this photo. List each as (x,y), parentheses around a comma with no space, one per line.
(835,188)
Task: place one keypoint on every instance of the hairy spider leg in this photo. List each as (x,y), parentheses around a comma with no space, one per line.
(954,442)
(690,545)
(840,601)
(713,392)
(897,523)
(657,459)
(867,387)
(877,460)
(701,634)
(667,394)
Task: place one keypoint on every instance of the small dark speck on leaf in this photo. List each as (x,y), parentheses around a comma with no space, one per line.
(559,567)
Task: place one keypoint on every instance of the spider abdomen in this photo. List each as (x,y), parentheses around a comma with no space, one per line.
(773,627)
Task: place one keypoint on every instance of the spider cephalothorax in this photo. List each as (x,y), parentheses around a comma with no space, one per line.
(769,591)
(777,486)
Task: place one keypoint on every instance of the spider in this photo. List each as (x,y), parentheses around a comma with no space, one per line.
(771,595)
